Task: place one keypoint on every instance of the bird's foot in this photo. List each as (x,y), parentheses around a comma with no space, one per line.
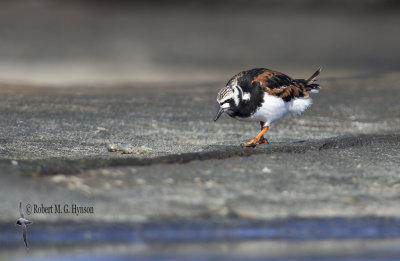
(249,144)
(254,142)
(262,140)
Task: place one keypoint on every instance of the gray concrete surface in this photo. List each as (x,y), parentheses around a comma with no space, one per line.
(359,181)
(340,158)
(72,123)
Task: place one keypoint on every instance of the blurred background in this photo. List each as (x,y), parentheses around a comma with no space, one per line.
(73,42)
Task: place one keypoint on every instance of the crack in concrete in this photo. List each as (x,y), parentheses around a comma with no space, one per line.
(73,166)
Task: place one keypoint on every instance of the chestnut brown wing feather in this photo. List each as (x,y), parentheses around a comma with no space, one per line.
(281,85)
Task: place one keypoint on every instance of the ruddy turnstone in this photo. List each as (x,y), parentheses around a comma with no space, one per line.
(23,222)
(266,96)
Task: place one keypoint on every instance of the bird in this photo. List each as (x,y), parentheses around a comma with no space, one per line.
(23,222)
(265,96)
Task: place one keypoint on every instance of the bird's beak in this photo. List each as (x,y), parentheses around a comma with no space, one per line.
(219,113)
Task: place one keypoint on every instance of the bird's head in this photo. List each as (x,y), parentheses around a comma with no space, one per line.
(228,99)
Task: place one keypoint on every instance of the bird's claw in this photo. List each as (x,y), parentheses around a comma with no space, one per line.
(262,141)
(253,143)
(249,144)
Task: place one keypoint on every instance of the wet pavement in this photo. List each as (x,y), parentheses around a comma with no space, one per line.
(286,239)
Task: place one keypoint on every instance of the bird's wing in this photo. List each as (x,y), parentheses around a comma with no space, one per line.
(280,85)
(20,210)
(24,235)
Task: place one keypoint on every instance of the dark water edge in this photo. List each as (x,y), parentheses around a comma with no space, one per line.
(293,229)
(205,240)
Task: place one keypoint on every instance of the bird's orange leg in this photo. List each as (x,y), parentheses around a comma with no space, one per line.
(262,139)
(257,139)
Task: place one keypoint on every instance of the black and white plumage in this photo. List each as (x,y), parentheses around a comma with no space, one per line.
(265,96)
(23,222)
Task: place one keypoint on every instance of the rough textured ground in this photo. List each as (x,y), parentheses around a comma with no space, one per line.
(335,182)
(340,159)
(70,123)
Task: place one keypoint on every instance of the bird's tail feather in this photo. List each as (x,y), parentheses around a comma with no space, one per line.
(314,76)
(309,85)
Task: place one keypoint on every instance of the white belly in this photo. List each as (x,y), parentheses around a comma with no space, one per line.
(274,109)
